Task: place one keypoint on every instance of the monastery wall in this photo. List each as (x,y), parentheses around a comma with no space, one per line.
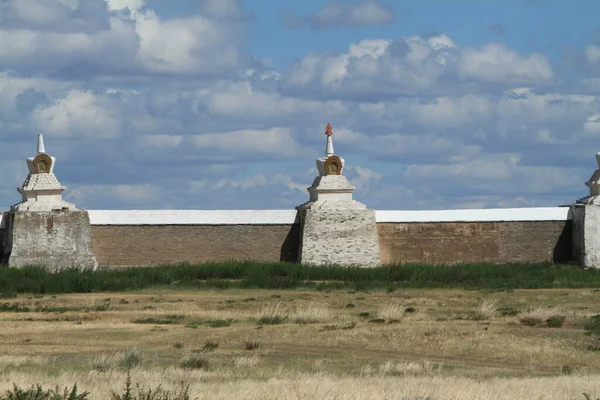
(154,237)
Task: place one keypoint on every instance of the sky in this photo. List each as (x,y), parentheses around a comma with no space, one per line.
(222,104)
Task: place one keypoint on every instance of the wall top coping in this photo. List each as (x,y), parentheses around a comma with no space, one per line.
(286,217)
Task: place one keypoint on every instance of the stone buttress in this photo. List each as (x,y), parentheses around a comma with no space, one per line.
(586,224)
(43,229)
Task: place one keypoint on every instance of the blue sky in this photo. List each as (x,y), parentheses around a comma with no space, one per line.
(222,104)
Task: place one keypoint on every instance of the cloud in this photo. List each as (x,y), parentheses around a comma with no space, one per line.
(95,37)
(54,15)
(342,14)
(495,62)
(78,114)
(188,119)
(413,65)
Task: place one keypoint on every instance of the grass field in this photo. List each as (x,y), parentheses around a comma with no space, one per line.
(315,341)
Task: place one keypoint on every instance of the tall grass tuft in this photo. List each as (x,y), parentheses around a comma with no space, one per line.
(486,310)
(392,312)
(272,314)
(313,313)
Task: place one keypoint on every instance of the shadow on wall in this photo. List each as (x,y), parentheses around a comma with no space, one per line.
(289,248)
(563,250)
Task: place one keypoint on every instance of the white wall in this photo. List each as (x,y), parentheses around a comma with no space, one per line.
(284,217)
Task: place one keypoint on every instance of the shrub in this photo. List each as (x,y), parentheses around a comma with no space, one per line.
(38,393)
(252,345)
(219,323)
(555,322)
(148,394)
(210,346)
(131,359)
(592,327)
(538,315)
(194,362)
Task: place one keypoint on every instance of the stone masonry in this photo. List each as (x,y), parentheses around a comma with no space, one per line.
(586,224)
(43,229)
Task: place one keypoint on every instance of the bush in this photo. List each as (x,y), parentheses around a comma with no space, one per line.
(147,394)
(131,359)
(38,393)
(194,362)
(555,322)
(252,345)
(592,327)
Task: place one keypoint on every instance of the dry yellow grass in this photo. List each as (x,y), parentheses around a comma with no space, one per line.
(437,350)
(320,386)
(314,312)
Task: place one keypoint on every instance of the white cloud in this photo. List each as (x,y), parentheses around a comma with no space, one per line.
(413,65)
(495,62)
(120,43)
(79,114)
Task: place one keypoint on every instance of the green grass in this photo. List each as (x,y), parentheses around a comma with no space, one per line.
(226,275)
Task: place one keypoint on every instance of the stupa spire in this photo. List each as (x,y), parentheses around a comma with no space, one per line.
(40,144)
(329,146)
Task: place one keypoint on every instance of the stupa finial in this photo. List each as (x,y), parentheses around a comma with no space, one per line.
(40,144)
(329,146)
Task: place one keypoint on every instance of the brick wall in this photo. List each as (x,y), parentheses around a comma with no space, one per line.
(140,245)
(428,242)
(455,242)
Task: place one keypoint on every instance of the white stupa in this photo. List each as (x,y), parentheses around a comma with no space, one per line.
(330,189)
(594,185)
(41,190)
(335,228)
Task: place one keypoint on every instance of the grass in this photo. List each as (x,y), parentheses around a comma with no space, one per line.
(539,315)
(230,275)
(486,310)
(391,312)
(195,362)
(272,314)
(314,312)
(431,353)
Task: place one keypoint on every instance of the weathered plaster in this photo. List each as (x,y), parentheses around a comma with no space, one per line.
(56,239)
